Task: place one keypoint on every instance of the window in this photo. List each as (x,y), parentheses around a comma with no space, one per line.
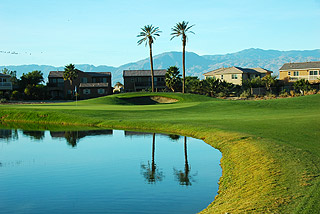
(54,80)
(289,73)
(60,80)
(296,73)
(221,76)
(132,79)
(104,80)
(313,72)
(86,91)
(94,80)
(234,76)
(84,80)
(69,91)
(100,91)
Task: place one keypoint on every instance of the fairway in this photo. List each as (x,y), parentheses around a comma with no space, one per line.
(270,148)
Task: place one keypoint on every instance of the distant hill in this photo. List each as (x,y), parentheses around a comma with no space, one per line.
(196,65)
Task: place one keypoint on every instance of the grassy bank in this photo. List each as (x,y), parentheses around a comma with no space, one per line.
(270,148)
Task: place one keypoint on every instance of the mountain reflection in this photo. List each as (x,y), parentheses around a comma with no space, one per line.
(73,137)
(183,176)
(150,172)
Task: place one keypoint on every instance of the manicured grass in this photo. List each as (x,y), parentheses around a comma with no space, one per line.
(270,148)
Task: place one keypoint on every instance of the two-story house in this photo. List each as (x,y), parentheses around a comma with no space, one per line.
(139,80)
(5,83)
(236,75)
(87,85)
(291,72)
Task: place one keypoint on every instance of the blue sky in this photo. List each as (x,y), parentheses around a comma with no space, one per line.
(103,32)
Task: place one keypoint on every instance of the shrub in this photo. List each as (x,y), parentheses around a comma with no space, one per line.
(310,92)
(245,94)
(284,93)
(269,95)
(15,95)
(3,100)
(292,93)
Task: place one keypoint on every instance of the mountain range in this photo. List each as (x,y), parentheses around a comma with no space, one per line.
(196,65)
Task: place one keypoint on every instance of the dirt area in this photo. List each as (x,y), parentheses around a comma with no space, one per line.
(163,99)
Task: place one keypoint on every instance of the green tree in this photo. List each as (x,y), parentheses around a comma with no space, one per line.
(173,78)
(70,74)
(269,81)
(213,86)
(181,29)
(302,86)
(32,78)
(191,82)
(148,35)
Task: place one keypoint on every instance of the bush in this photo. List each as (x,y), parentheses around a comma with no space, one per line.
(284,93)
(15,95)
(310,92)
(269,95)
(245,94)
(3,100)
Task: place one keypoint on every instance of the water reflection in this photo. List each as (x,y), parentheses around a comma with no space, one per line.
(73,137)
(184,177)
(118,174)
(150,172)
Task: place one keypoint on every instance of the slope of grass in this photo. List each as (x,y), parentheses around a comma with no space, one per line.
(270,148)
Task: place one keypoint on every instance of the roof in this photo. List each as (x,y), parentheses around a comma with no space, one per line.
(94,74)
(301,65)
(4,75)
(94,85)
(143,73)
(237,70)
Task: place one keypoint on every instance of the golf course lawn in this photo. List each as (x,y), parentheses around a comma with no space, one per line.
(270,148)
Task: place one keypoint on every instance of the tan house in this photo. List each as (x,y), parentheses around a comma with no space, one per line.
(236,75)
(88,85)
(139,80)
(292,72)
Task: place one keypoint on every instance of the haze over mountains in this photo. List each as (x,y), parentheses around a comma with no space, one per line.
(196,65)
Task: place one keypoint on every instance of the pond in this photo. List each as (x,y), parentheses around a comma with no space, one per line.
(105,171)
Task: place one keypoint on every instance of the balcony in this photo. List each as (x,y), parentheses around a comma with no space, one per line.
(56,85)
(309,78)
(5,86)
(148,84)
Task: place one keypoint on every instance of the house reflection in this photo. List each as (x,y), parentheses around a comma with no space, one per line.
(38,135)
(9,134)
(73,137)
(149,134)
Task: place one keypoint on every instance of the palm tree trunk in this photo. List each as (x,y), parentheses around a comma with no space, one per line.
(183,64)
(153,151)
(151,65)
(186,155)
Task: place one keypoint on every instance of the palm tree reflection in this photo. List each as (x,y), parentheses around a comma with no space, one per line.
(150,172)
(184,177)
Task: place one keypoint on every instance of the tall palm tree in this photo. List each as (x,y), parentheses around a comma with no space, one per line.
(70,74)
(148,35)
(181,29)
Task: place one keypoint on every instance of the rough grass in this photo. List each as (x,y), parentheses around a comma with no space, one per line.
(270,148)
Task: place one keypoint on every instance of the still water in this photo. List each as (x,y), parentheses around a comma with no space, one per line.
(105,171)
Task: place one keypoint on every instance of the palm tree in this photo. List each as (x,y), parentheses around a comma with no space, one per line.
(70,74)
(151,173)
(181,29)
(148,35)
